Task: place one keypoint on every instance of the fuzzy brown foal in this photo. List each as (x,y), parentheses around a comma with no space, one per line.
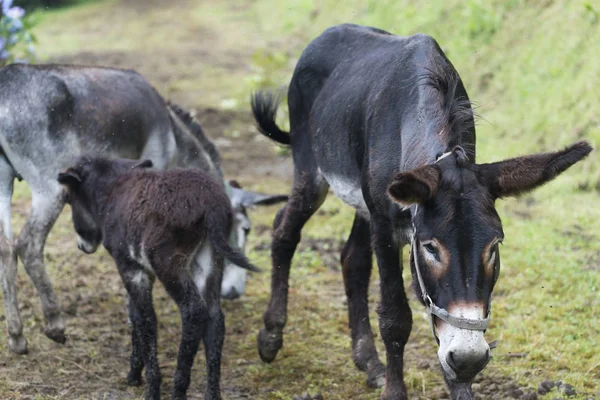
(171,225)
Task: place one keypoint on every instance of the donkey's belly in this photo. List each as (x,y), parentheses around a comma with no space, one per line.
(348,190)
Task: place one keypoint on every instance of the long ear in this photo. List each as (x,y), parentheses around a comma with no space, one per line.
(241,197)
(143,164)
(415,186)
(522,174)
(69,178)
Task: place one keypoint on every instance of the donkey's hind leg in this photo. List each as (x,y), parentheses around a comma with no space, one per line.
(357,262)
(47,204)
(308,193)
(187,290)
(8,262)
(213,333)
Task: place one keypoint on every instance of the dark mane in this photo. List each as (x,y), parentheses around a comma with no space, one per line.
(196,130)
(458,110)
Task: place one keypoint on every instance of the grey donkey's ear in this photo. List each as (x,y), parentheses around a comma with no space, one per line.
(521,174)
(143,164)
(69,178)
(245,198)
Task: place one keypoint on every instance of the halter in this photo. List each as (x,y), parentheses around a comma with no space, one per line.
(442,313)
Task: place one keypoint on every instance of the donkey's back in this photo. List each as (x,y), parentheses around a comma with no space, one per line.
(51,112)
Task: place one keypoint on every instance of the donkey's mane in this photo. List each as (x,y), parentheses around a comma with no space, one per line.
(457,110)
(196,130)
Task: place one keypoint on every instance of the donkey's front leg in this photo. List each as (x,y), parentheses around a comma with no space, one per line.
(46,207)
(139,287)
(136,360)
(395,317)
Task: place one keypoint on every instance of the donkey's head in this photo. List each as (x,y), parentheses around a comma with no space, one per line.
(234,277)
(86,184)
(455,255)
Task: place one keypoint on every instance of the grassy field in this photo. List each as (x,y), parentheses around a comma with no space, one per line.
(533,69)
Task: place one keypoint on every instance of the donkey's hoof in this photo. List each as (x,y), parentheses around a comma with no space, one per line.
(398,393)
(58,335)
(134,379)
(18,344)
(268,345)
(376,377)
(396,396)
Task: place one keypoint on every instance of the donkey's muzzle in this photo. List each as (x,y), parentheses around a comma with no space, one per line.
(466,365)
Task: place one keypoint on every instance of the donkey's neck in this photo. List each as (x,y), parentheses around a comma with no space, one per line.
(434,135)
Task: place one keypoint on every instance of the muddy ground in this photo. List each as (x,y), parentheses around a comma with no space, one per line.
(94,361)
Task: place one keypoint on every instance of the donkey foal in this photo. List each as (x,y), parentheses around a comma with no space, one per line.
(173,225)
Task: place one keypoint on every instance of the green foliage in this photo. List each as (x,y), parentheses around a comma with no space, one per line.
(591,13)
(16,39)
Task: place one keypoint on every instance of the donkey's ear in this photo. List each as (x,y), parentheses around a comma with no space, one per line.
(143,164)
(522,174)
(415,186)
(69,178)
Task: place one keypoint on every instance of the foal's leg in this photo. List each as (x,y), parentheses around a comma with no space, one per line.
(308,193)
(357,262)
(144,335)
(213,333)
(136,361)
(8,262)
(181,286)
(46,206)
(395,317)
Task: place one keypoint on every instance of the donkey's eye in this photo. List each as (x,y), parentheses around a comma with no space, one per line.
(492,255)
(430,248)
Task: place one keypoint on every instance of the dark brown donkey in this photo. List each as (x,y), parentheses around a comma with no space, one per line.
(173,225)
(385,122)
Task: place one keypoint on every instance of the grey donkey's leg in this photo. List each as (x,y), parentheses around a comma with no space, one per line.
(46,207)
(8,262)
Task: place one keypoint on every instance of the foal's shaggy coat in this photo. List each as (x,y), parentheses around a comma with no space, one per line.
(173,225)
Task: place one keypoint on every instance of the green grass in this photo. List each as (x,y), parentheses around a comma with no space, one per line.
(532,68)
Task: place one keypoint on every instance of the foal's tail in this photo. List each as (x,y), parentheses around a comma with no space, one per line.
(264,108)
(218,239)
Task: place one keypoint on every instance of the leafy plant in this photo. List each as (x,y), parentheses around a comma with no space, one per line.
(16,39)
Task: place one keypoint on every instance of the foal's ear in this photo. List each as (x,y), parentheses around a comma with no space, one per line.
(143,164)
(414,186)
(69,178)
(522,174)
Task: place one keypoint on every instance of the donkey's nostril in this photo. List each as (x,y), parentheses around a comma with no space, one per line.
(231,294)
(467,364)
(451,362)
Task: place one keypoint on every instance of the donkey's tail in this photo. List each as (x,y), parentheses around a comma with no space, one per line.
(264,108)
(218,239)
